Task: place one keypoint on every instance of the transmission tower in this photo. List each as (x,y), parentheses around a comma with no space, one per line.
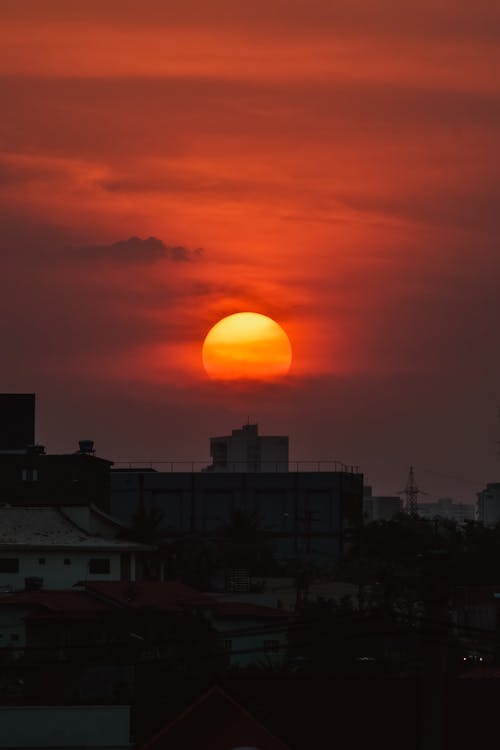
(411,493)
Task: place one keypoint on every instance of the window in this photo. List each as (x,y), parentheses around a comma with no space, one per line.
(9,565)
(29,475)
(41,560)
(227,644)
(67,561)
(99,566)
(271,647)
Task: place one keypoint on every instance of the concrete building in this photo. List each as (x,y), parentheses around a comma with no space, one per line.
(307,514)
(246,450)
(46,547)
(444,507)
(488,504)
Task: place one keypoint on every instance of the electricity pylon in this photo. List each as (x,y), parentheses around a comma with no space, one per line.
(411,493)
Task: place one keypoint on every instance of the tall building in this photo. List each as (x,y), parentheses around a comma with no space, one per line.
(488,504)
(246,450)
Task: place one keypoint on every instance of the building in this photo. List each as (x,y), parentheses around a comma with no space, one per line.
(307,514)
(17,422)
(251,633)
(444,507)
(246,450)
(35,478)
(101,620)
(380,507)
(55,547)
(488,504)
(30,476)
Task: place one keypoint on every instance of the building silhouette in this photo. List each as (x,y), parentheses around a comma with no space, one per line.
(246,450)
(307,514)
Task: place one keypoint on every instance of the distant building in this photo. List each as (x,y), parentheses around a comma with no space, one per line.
(246,450)
(488,504)
(444,507)
(380,507)
(56,548)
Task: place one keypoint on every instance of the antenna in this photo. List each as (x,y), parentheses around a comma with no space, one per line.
(411,493)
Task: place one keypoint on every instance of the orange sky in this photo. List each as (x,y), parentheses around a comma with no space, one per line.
(336,162)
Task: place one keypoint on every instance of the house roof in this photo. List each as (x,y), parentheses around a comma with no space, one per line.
(248,610)
(47,527)
(214,720)
(57,602)
(160,595)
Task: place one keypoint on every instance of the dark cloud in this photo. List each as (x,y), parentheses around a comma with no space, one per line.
(137,250)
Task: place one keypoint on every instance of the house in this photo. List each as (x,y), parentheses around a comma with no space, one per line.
(251,633)
(47,546)
(215,721)
(247,633)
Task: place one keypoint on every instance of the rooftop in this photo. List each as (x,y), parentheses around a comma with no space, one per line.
(56,602)
(161,595)
(38,527)
(215,720)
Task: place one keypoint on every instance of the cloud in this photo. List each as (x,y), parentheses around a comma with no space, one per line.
(137,250)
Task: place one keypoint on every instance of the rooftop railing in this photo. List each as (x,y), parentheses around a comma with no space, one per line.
(235,466)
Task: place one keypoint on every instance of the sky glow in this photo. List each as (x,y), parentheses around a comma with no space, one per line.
(333,165)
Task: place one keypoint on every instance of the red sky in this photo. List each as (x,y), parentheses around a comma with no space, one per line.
(332,165)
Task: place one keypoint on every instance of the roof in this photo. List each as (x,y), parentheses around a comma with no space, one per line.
(247,610)
(57,602)
(160,595)
(42,527)
(214,720)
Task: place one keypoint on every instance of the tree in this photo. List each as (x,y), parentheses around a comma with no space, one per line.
(246,545)
(146,524)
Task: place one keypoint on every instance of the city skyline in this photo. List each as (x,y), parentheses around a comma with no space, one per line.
(331,166)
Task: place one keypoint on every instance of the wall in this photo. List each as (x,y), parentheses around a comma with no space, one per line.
(247,649)
(65,727)
(13,627)
(55,574)
(306,513)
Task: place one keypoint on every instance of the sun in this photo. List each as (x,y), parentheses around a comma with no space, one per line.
(246,345)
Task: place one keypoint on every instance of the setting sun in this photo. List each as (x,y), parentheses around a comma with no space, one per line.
(246,345)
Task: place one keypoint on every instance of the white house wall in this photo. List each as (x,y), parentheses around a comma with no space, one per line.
(55,573)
